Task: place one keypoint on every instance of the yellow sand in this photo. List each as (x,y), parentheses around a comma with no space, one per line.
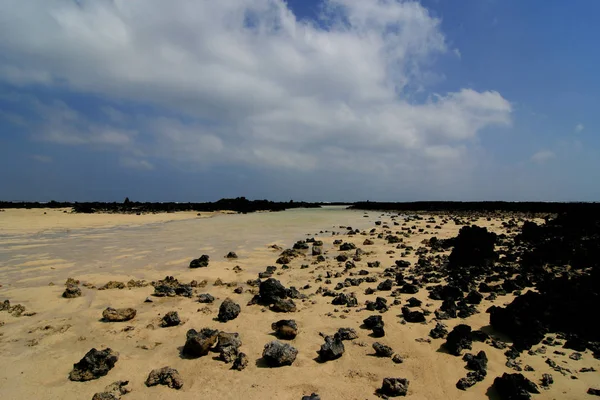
(16,221)
(39,351)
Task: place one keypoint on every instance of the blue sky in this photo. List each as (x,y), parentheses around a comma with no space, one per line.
(306,100)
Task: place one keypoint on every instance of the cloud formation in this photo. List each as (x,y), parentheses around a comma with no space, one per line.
(245,82)
(542,156)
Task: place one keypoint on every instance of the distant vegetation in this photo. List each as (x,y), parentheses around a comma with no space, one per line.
(240,204)
(243,205)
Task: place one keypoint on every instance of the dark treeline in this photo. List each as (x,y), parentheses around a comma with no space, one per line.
(240,204)
(480,206)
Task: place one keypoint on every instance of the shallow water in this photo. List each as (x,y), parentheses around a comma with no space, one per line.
(30,260)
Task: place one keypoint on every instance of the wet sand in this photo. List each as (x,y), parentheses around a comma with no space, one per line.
(39,351)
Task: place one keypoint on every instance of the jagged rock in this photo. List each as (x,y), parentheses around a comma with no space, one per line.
(283,305)
(228,310)
(277,354)
(165,376)
(344,299)
(547,380)
(231,255)
(575,343)
(286,329)
(71,292)
(283,260)
(521,319)
(380,304)
(118,314)
(474,297)
(347,247)
(514,387)
(106,396)
(228,354)
(271,290)
(95,364)
(439,332)
(412,316)
(198,344)
(205,298)
(385,285)
(575,356)
(470,380)
(413,302)
(132,283)
(240,362)
(479,336)
(112,285)
(397,359)
(394,387)
(226,339)
(409,289)
(201,262)
(332,349)
(170,319)
(317,250)
(376,324)
(476,362)
(381,350)
(114,391)
(228,346)
(378,331)
(373,321)
(72,282)
(313,396)
(346,334)
(459,339)
(171,287)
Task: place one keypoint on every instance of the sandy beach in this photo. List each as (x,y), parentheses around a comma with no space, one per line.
(23,221)
(38,252)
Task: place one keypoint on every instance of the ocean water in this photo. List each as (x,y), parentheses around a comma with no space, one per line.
(140,250)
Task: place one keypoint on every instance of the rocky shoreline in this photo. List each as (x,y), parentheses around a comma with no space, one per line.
(533,283)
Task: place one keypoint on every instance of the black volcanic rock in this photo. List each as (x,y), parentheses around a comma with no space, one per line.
(95,364)
(170,319)
(514,387)
(165,376)
(412,316)
(394,387)
(271,290)
(381,350)
(277,354)
(228,310)
(332,349)
(198,344)
(201,262)
(459,339)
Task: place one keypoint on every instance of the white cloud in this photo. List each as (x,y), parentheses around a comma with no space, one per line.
(135,163)
(251,83)
(542,156)
(579,127)
(42,158)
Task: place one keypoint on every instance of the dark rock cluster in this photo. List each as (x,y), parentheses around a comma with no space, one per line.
(95,364)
